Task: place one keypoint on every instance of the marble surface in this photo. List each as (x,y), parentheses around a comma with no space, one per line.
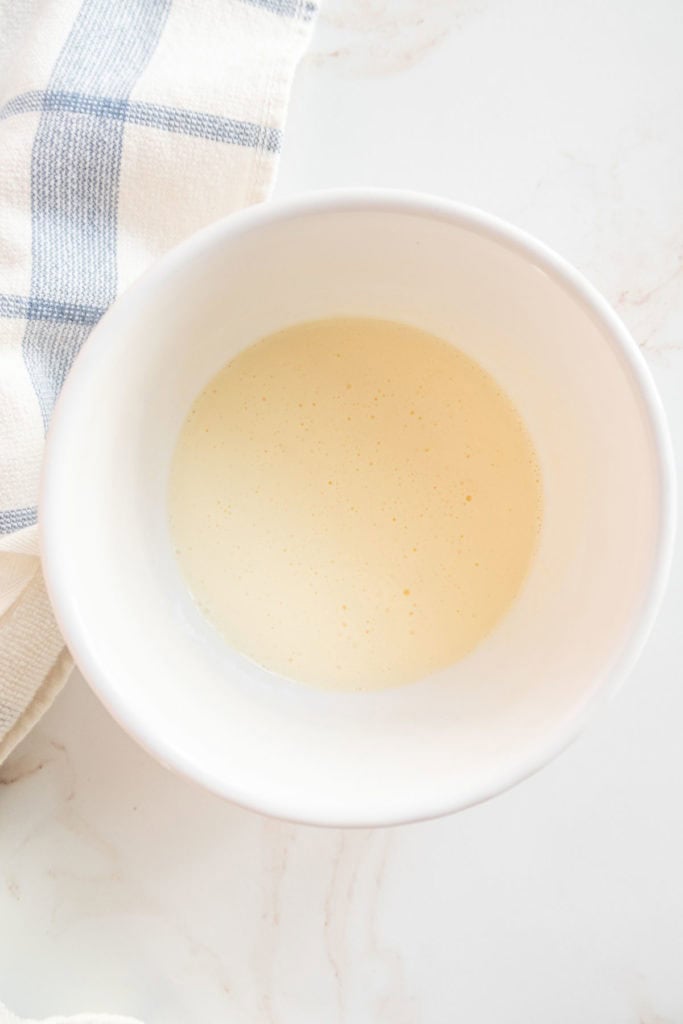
(126,889)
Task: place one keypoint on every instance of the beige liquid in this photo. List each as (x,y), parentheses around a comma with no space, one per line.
(354,503)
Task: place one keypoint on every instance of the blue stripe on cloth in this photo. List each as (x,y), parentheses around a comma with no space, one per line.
(289,8)
(205,126)
(17,519)
(19,307)
(49,350)
(151,115)
(75,168)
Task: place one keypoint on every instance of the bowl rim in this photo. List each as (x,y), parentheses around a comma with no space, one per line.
(55,561)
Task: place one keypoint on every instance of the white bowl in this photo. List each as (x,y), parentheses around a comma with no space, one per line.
(585,610)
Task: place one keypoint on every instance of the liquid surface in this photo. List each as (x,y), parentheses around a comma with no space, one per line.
(354,503)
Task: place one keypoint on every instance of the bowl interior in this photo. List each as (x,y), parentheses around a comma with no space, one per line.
(286,749)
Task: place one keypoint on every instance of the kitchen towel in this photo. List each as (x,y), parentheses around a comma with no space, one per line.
(124,126)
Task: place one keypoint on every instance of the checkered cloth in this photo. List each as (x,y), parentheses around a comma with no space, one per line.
(124,126)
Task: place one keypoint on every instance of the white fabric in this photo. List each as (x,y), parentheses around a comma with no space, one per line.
(124,126)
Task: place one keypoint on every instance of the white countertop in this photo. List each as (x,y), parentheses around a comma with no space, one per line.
(123,888)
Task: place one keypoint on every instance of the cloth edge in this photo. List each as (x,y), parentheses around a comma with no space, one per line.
(43,698)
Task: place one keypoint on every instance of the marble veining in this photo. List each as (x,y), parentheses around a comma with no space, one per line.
(372,38)
(126,889)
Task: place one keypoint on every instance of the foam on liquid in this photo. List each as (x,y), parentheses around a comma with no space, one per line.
(354,503)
